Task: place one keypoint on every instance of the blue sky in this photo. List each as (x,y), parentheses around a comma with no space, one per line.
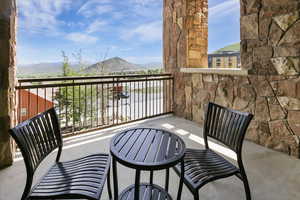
(131,29)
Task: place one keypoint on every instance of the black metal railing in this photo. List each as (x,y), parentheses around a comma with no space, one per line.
(85,103)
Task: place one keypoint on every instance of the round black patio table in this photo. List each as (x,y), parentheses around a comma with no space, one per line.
(146,149)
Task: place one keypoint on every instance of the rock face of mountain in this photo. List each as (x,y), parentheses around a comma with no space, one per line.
(115,64)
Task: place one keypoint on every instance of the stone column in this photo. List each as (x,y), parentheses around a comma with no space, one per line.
(185,34)
(197,33)
(185,45)
(7,77)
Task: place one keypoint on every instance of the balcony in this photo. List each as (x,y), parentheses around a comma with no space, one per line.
(267,170)
(92,111)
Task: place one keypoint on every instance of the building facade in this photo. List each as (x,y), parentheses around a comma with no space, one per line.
(30,103)
(224,59)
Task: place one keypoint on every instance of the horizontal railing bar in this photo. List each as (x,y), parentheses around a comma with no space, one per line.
(89,83)
(90,77)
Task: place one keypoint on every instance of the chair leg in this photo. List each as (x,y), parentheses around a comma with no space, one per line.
(115,178)
(167,180)
(246,185)
(108,185)
(181,180)
(196,195)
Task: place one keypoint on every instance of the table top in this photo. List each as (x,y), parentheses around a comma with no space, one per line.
(147,148)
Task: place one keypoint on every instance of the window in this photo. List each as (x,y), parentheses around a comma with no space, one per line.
(23,112)
(230,60)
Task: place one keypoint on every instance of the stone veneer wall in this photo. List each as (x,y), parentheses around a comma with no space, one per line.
(276,123)
(7,78)
(270,51)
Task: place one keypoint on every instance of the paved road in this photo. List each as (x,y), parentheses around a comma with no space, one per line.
(135,106)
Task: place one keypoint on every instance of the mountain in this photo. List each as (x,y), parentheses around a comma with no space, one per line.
(40,68)
(232,47)
(115,64)
(152,65)
(54,68)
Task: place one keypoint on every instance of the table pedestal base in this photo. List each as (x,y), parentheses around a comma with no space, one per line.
(146,191)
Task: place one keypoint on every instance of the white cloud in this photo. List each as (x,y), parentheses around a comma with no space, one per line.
(117,15)
(97,25)
(143,2)
(41,16)
(223,9)
(78,24)
(81,38)
(126,49)
(148,32)
(95,7)
(28,54)
(151,9)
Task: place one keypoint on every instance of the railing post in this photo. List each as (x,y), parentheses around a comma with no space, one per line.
(146,98)
(73,104)
(113,101)
(118,98)
(102,104)
(173,94)
(18,92)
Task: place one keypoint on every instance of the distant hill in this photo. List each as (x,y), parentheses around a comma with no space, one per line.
(232,47)
(153,65)
(115,64)
(39,68)
(43,69)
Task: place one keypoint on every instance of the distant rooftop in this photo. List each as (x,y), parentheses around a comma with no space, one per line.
(225,53)
(230,48)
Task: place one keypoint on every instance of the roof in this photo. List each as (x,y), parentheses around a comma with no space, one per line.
(225,54)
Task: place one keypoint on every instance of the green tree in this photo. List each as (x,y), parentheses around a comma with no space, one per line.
(67,70)
(80,105)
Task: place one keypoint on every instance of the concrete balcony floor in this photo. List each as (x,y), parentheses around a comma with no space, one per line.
(272,175)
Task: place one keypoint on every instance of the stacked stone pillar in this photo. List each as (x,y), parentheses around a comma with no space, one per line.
(185,34)
(185,45)
(197,33)
(7,78)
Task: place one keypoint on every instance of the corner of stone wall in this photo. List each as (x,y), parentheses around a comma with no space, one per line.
(270,51)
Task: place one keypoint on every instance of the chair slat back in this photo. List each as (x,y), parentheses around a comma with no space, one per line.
(226,126)
(37,138)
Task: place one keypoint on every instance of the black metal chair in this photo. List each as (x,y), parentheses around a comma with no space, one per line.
(204,165)
(83,178)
